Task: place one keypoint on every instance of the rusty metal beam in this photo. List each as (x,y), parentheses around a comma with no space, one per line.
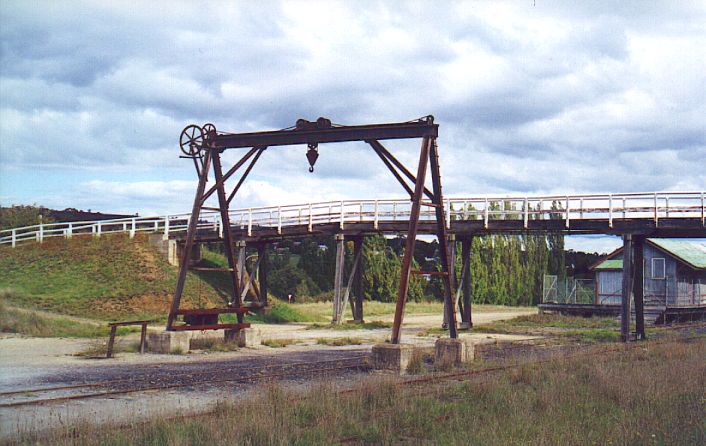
(391,168)
(418,129)
(227,232)
(381,150)
(245,174)
(189,243)
(411,239)
(223,177)
(443,240)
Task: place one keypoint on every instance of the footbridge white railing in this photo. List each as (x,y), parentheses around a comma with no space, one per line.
(608,207)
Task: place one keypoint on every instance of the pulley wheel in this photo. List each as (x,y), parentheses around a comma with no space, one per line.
(209,130)
(191,140)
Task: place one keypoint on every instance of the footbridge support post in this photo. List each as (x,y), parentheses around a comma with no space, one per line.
(353,289)
(638,287)
(465,283)
(262,272)
(338,278)
(627,287)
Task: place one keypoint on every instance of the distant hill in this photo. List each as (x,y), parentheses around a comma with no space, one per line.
(72,214)
(27,215)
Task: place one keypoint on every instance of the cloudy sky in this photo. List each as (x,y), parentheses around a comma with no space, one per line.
(531,96)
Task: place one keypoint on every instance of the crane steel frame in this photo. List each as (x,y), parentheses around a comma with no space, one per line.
(204,145)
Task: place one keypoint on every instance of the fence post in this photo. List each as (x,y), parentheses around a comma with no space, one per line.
(311,219)
(610,210)
(340,224)
(40,234)
(249,223)
(375,220)
(567,212)
(448,213)
(133,228)
(666,204)
(14,238)
(656,212)
(581,207)
(166,228)
(526,219)
(279,219)
(485,214)
(70,230)
(99,229)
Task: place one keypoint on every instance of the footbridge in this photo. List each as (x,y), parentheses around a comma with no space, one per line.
(654,214)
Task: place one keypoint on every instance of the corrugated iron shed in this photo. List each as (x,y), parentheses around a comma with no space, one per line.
(610,264)
(691,251)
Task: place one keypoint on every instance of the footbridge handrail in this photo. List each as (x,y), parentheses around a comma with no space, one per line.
(609,207)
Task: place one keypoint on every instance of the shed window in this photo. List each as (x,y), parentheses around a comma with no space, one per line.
(658,268)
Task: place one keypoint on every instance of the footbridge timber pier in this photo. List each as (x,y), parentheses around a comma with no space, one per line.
(634,216)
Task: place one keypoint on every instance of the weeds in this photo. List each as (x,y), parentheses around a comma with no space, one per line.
(278,343)
(652,395)
(339,341)
(32,323)
(372,325)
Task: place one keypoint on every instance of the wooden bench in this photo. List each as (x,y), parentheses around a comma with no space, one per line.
(113,328)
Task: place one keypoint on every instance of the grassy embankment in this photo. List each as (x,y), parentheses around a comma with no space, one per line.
(653,394)
(111,277)
(116,278)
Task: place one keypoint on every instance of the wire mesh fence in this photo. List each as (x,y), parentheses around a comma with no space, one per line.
(568,290)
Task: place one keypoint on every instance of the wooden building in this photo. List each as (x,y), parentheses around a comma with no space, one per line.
(674,277)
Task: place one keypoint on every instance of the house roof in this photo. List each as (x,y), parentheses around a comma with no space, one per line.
(689,251)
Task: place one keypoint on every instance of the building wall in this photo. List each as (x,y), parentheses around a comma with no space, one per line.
(680,285)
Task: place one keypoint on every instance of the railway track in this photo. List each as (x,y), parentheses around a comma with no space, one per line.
(147,382)
(152,381)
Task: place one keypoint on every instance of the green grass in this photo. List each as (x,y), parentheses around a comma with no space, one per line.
(278,343)
(31,323)
(108,277)
(321,311)
(339,341)
(647,395)
(372,325)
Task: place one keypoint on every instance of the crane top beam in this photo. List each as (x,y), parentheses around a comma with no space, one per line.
(424,127)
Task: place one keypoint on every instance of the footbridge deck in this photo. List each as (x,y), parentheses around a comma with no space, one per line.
(657,214)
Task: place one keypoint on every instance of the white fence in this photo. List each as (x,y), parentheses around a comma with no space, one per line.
(609,207)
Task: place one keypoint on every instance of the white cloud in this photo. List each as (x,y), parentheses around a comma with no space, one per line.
(531,97)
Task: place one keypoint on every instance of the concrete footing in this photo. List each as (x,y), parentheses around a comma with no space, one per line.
(169,342)
(452,352)
(395,357)
(245,337)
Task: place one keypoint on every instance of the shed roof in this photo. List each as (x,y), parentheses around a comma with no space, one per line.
(610,264)
(690,251)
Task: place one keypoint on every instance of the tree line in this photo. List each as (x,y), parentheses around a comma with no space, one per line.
(505,269)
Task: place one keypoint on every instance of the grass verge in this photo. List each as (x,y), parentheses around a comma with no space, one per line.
(31,323)
(647,395)
(372,325)
(278,343)
(339,341)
